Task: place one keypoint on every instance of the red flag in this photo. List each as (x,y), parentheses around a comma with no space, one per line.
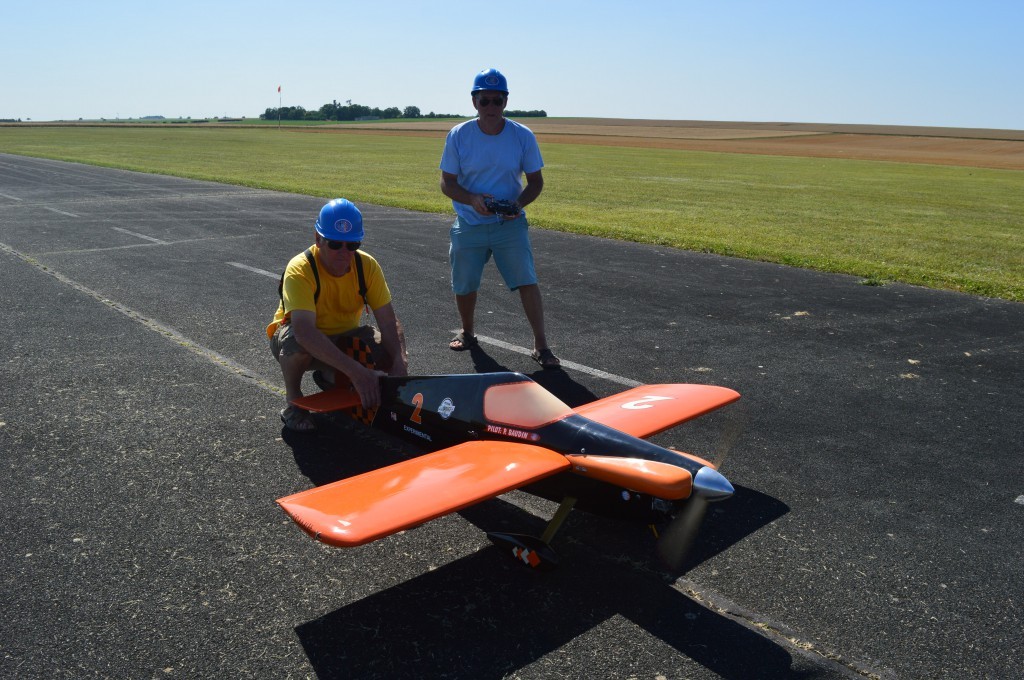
(279,89)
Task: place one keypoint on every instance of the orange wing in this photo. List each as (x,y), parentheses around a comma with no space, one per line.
(332,400)
(375,504)
(649,409)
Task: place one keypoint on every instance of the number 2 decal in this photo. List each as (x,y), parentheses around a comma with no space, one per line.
(645,402)
(417,401)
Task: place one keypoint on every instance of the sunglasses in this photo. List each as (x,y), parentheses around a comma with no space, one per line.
(487,101)
(348,245)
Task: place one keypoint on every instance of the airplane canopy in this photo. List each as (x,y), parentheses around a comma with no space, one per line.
(523,404)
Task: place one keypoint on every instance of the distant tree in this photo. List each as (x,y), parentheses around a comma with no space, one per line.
(349,111)
(353,111)
(286,113)
(329,111)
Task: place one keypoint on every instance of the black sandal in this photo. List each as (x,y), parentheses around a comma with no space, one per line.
(546,358)
(465,342)
(298,420)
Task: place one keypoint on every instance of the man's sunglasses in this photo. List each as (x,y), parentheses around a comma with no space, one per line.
(487,101)
(338,245)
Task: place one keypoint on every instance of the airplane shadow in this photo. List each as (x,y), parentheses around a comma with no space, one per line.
(341,448)
(724,525)
(486,616)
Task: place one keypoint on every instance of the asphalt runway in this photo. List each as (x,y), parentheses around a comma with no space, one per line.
(876,530)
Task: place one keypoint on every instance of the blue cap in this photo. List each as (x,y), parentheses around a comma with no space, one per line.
(340,220)
(490,79)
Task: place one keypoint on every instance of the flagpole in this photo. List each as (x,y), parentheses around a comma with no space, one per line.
(278,107)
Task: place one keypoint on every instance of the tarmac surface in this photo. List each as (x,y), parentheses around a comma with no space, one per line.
(876,530)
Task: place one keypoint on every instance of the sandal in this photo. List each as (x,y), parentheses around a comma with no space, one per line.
(546,358)
(297,419)
(461,342)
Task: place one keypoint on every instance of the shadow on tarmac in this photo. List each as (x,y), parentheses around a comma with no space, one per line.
(555,381)
(486,616)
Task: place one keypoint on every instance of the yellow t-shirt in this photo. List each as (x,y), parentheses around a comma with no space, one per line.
(339,307)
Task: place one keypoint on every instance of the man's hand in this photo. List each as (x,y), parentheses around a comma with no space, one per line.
(367,384)
(479,203)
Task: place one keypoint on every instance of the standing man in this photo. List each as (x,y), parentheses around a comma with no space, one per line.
(483,161)
(323,292)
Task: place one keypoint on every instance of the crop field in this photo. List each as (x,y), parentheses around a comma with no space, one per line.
(927,206)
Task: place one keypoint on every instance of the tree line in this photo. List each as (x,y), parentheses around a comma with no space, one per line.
(336,111)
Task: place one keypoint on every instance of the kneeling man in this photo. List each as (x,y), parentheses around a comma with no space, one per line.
(323,292)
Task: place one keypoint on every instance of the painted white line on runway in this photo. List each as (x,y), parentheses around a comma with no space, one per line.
(1020,500)
(597,373)
(219,360)
(141,245)
(246,267)
(13,198)
(59,212)
(142,236)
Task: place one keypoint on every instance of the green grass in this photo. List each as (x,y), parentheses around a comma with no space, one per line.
(946,227)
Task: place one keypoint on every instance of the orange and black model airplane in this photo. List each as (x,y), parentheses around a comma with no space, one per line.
(491,433)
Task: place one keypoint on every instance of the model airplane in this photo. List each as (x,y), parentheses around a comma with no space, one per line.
(493,432)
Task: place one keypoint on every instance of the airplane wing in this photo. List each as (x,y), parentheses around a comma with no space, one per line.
(649,409)
(372,505)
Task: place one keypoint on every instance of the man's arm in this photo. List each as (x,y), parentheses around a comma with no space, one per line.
(314,341)
(392,338)
(451,188)
(534,185)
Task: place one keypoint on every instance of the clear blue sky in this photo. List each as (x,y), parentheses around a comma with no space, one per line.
(915,62)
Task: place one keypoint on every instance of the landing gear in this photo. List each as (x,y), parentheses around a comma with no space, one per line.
(531,550)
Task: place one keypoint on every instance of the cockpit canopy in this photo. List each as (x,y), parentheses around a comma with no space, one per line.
(523,404)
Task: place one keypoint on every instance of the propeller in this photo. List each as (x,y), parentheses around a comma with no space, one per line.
(709,485)
(677,538)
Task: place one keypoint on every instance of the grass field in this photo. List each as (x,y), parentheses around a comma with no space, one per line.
(959,228)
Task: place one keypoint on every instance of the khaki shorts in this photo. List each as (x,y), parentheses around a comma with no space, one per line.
(283,342)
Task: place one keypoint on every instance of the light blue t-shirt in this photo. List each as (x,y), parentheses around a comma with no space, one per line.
(489,164)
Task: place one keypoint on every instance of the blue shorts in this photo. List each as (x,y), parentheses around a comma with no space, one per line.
(473,244)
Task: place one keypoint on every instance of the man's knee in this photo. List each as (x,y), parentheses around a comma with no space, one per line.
(284,346)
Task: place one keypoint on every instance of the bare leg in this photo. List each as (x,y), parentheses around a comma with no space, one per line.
(534,308)
(467,309)
(293,366)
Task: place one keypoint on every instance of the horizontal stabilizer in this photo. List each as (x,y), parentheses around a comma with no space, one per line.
(649,409)
(375,504)
(338,399)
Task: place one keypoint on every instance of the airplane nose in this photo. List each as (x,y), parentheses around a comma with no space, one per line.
(711,485)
